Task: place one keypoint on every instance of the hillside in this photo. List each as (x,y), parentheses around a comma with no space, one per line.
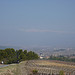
(42,66)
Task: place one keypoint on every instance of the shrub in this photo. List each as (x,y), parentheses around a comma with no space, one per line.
(35,71)
(61,73)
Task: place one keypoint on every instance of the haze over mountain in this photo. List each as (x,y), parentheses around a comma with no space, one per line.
(37,23)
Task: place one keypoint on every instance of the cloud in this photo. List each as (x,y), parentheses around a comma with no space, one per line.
(51,31)
(38,30)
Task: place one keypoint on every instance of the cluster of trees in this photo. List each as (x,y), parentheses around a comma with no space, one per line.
(9,55)
(62,58)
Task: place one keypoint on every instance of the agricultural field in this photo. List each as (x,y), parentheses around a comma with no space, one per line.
(50,67)
(42,66)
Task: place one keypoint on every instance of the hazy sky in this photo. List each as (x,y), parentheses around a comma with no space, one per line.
(37,23)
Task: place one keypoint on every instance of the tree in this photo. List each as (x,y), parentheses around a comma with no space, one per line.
(31,55)
(25,52)
(22,56)
(9,55)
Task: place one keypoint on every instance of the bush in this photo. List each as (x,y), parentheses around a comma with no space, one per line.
(35,71)
(61,73)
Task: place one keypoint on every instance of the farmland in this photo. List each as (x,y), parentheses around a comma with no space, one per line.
(47,67)
(42,66)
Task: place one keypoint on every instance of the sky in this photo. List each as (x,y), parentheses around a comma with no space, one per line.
(37,23)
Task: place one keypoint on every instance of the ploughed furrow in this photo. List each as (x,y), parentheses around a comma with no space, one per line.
(44,67)
(47,67)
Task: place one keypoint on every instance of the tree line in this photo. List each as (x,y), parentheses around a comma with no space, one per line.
(62,58)
(10,55)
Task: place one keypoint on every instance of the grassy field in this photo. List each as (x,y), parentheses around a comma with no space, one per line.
(9,70)
(13,69)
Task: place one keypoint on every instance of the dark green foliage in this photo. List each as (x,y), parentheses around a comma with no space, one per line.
(9,55)
(25,52)
(31,55)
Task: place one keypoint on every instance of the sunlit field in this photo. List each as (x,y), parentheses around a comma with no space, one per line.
(42,66)
(51,63)
(9,70)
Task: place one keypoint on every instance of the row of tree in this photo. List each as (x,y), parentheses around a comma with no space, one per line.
(10,55)
(62,58)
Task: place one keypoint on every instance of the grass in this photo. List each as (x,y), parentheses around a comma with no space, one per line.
(9,70)
(13,69)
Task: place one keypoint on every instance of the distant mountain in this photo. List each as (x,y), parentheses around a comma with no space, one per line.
(64,52)
(47,51)
(4,47)
(60,50)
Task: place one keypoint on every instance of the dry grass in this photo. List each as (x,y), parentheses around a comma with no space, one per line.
(13,69)
(46,66)
(43,62)
(20,69)
(9,70)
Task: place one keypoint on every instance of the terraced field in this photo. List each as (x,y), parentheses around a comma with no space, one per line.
(46,67)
